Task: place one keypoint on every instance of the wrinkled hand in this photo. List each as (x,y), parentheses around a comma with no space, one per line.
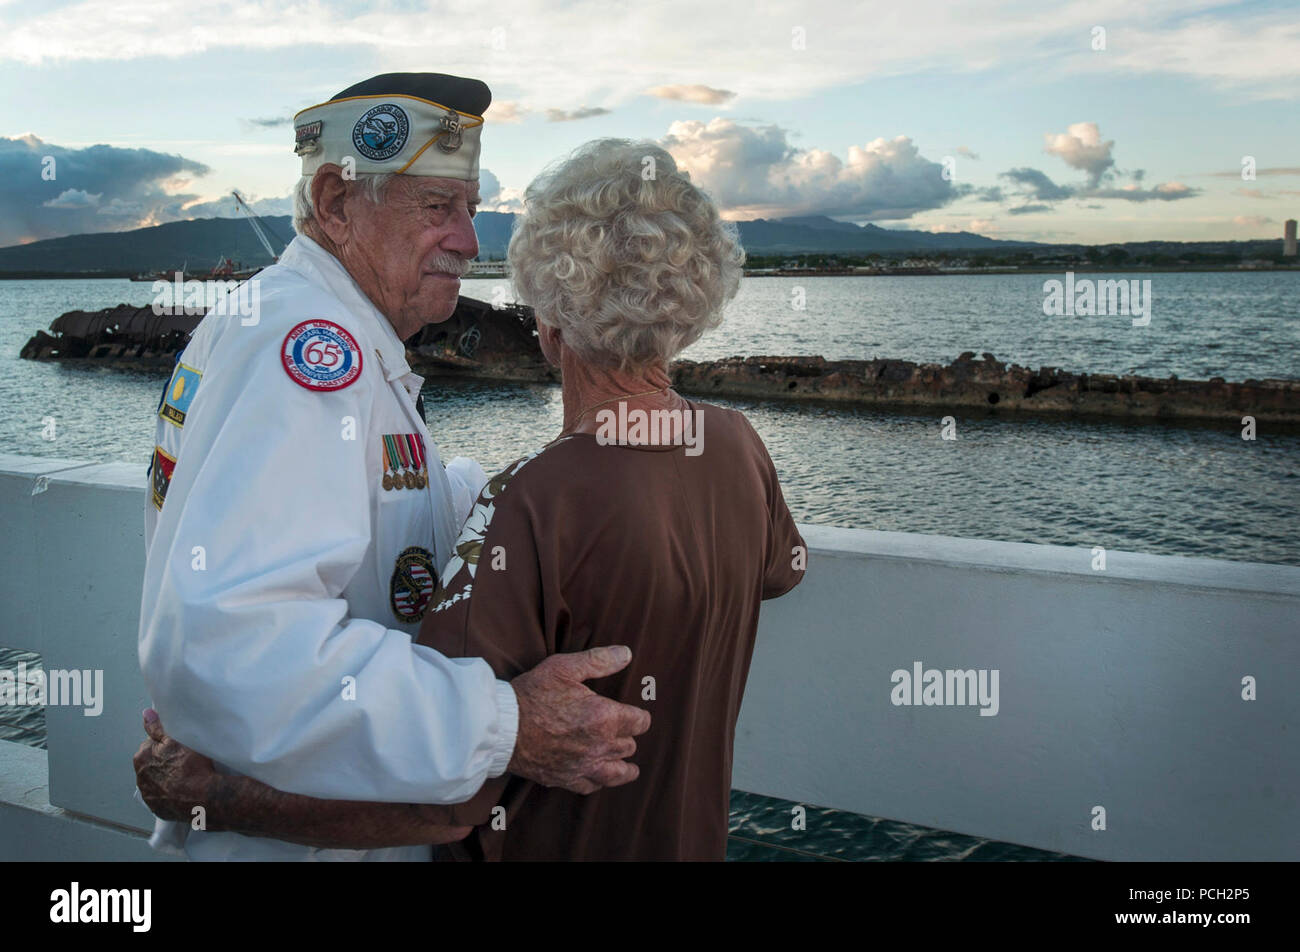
(172,778)
(569,736)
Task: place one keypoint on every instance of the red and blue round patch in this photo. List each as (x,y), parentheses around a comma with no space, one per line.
(411,587)
(321,355)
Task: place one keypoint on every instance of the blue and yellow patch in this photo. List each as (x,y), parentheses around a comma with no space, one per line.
(180,394)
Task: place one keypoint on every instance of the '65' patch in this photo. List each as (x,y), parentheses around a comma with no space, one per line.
(320,355)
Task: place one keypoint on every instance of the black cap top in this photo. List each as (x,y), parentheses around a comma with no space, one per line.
(470,96)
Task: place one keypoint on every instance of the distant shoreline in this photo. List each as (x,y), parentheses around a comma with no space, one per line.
(953,272)
(64,275)
(791,273)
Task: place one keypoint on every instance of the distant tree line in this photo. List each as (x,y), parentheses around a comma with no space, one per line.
(1131,255)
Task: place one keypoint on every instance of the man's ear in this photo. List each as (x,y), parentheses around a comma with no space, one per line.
(328,193)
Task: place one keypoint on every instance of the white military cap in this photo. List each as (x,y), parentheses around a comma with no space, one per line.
(411,123)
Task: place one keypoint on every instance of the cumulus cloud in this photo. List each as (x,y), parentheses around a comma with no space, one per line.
(963,150)
(1080,147)
(1166,192)
(755,171)
(979,226)
(226,207)
(506,111)
(695,92)
(1251,46)
(570,115)
(489,187)
(1254,50)
(105,188)
(1035,184)
(98,188)
(507,200)
(74,198)
(1252,221)
(1279,170)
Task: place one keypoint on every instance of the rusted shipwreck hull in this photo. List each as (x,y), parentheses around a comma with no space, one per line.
(499,343)
(125,336)
(477,338)
(971,384)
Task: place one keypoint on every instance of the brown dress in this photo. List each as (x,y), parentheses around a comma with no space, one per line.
(648,546)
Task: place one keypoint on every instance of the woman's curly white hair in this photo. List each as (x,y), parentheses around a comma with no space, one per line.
(623,254)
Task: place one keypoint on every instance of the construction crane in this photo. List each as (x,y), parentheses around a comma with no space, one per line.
(258,228)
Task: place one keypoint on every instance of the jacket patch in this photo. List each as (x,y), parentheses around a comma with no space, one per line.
(411,586)
(321,355)
(160,476)
(180,393)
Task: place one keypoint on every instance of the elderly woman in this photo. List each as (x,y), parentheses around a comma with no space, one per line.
(650,521)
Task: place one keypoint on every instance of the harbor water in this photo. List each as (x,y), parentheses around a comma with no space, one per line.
(1156,488)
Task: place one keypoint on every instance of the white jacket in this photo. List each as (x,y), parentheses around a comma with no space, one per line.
(283,582)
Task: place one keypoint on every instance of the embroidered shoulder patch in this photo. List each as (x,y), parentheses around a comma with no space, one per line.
(321,355)
(160,476)
(180,393)
(412,583)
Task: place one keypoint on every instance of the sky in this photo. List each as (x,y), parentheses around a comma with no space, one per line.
(1090,122)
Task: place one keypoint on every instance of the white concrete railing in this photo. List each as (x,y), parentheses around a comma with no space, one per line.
(1119,688)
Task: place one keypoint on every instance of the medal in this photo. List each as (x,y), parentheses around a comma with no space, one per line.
(416,446)
(388,481)
(406,476)
(404,461)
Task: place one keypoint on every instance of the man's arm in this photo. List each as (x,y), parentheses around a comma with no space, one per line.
(553,748)
(174,780)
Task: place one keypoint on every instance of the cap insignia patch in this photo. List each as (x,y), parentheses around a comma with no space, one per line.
(381,132)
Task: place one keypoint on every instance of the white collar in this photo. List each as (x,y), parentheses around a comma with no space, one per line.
(314,262)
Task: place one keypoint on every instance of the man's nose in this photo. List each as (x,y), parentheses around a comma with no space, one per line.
(462,240)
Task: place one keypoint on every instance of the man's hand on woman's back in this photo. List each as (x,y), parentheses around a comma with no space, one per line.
(569,736)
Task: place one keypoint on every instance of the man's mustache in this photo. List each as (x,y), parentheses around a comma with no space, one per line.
(449,264)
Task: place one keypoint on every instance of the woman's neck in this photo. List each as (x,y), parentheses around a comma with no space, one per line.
(586,390)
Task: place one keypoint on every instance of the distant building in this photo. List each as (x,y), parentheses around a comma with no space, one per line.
(1288,241)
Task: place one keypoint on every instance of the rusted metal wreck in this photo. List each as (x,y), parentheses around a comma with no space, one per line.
(499,343)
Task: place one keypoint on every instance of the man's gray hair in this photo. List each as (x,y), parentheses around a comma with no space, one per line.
(372,185)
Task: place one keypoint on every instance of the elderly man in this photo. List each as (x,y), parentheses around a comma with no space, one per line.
(299,515)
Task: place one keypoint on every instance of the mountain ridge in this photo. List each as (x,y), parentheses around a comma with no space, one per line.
(200,243)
